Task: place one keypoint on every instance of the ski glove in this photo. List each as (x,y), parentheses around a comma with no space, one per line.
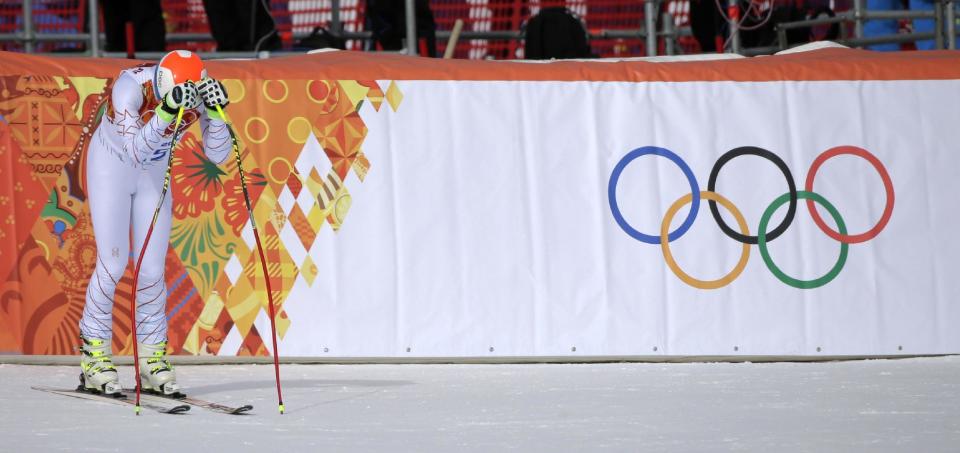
(184,95)
(213,93)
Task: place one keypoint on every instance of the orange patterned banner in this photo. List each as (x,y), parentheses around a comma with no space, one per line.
(302,123)
(213,276)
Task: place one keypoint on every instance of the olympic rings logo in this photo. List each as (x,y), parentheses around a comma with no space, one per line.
(763,237)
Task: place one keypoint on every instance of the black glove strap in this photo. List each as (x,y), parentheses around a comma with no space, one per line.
(168,109)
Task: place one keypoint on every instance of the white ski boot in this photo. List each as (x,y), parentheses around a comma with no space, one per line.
(98,373)
(156,372)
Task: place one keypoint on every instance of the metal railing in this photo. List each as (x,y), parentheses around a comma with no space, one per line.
(944,15)
(29,37)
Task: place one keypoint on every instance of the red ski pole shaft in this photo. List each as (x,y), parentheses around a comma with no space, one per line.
(263,259)
(143,251)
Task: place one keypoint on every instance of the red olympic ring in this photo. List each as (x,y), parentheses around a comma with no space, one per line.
(887,185)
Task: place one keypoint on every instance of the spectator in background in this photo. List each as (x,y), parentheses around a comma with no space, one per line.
(556,33)
(387,19)
(242,25)
(149,33)
(707,25)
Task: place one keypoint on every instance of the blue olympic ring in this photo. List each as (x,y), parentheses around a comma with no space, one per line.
(615,208)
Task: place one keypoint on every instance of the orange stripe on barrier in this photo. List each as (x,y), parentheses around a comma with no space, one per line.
(818,65)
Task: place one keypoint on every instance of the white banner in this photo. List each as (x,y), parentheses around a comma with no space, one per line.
(487,226)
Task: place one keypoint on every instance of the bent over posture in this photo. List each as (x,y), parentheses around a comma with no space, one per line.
(125,172)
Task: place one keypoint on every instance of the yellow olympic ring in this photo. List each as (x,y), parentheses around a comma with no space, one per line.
(329,95)
(326,90)
(266,126)
(672,264)
(298,129)
(277,100)
(286,173)
(235,89)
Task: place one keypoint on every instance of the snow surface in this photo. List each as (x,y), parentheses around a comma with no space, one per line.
(878,405)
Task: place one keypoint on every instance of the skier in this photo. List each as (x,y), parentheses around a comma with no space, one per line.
(125,173)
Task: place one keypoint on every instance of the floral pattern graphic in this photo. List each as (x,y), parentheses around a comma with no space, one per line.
(233,205)
(216,287)
(196,181)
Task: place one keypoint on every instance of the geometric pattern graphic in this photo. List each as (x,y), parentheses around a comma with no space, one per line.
(301,146)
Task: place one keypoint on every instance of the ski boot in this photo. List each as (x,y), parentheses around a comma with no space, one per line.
(156,372)
(98,375)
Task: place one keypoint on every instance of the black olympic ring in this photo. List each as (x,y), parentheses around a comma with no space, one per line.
(759,152)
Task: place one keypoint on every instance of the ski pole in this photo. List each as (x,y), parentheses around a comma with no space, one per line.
(263,259)
(143,251)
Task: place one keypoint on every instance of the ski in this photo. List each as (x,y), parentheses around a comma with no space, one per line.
(208,405)
(80,393)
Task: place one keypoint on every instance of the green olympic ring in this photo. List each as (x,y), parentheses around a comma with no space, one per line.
(762,241)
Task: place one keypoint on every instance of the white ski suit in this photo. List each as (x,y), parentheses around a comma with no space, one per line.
(126,163)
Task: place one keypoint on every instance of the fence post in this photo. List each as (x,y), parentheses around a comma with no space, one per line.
(938,6)
(733,12)
(650,26)
(951,24)
(411,28)
(858,19)
(335,25)
(669,33)
(94,19)
(28,26)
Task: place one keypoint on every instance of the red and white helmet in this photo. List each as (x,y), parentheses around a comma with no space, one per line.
(175,68)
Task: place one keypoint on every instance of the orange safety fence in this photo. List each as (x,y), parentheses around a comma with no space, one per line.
(292,18)
(49,16)
(297,17)
(507,15)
